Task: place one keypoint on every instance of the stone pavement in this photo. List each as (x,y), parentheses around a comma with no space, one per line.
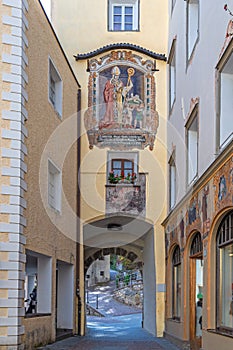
(114,333)
(108,306)
(120,329)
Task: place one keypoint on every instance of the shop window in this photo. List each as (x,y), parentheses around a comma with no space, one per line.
(176,284)
(192,146)
(192,25)
(172,75)
(54,186)
(172,181)
(225,275)
(123,15)
(38,284)
(55,88)
(225,124)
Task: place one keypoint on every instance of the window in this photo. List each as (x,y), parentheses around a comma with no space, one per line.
(172,182)
(38,283)
(225,274)
(196,246)
(123,163)
(192,25)
(192,146)
(55,88)
(176,284)
(172,75)
(54,186)
(122,167)
(123,15)
(226,103)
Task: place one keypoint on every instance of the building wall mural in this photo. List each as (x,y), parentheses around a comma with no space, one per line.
(121,102)
(199,211)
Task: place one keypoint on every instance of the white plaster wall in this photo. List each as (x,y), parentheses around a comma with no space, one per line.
(149,279)
(197,80)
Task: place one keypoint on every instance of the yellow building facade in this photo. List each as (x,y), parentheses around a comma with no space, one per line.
(118,52)
(39,152)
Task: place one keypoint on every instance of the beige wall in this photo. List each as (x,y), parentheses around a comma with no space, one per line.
(75,21)
(43,236)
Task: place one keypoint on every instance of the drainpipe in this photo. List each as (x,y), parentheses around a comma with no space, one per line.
(78,210)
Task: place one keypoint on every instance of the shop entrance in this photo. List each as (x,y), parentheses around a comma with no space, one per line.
(196,292)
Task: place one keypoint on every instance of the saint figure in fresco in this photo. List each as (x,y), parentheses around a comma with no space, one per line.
(114,96)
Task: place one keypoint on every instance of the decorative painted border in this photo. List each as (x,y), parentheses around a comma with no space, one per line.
(15,77)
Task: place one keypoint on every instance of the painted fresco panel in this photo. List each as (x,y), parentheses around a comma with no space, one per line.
(200,210)
(121,102)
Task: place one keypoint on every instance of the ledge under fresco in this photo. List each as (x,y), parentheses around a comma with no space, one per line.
(127,198)
(121,110)
(200,210)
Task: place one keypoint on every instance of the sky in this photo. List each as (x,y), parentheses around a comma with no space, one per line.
(46,5)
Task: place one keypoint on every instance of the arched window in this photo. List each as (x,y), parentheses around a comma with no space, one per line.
(176,283)
(225,274)
(196,246)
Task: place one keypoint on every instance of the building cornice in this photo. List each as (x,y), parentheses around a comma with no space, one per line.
(126,46)
(200,183)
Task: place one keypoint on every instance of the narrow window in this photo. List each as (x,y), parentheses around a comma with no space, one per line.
(225,274)
(172,75)
(192,146)
(226,103)
(54,186)
(176,284)
(172,182)
(192,25)
(55,88)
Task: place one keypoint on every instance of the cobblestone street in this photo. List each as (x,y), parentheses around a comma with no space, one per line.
(114,333)
(119,329)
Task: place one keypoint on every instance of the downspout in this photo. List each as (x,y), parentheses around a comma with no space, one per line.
(79,310)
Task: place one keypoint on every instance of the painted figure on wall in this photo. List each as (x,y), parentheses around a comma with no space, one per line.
(121,102)
(222,188)
(115,96)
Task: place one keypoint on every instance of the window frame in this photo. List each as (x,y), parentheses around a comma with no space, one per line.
(53,75)
(122,169)
(225,243)
(172,164)
(54,170)
(135,4)
(114,155)
(43,298)
(171,58)
(176,268)
(226,56)
(190,53)
(193,115)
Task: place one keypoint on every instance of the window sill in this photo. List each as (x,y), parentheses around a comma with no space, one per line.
(174,319)
(37,315)
(223,332)
(123,30)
